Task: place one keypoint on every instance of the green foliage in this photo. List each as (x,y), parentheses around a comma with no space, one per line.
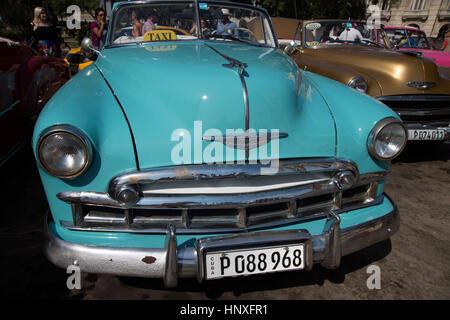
(16,15)
(313,9)
(59,7)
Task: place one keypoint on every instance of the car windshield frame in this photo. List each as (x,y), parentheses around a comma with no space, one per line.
(379,33)
(271,42)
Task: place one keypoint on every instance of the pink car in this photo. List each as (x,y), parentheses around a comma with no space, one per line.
(412,39)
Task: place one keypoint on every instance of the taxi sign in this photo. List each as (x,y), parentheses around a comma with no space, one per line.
(160,35)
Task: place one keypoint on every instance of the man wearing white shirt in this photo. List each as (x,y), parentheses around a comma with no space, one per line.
(350,33)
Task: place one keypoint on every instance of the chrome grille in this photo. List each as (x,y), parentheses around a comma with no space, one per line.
(420,109)
(313,198)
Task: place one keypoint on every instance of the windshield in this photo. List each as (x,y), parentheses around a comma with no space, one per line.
(334,33)
(177,21)
(406,38)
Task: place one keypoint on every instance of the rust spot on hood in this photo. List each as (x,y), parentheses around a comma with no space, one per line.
(149,259)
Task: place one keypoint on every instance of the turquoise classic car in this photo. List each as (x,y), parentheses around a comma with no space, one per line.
(210,155)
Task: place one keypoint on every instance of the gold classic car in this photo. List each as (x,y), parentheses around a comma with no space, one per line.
(350,52)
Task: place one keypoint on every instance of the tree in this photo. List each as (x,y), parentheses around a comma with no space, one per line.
(17,14)
(59,7)
(313,9)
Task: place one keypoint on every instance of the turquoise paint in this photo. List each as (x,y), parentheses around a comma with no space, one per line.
(87,103)
(162,91)
(125,240)
(159,97)
(355,115)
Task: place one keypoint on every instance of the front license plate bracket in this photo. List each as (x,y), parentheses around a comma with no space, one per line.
(242,246)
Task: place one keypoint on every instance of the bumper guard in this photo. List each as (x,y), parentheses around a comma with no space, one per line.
(172,263)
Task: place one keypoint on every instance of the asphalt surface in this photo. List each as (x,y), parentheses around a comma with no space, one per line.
(414,263)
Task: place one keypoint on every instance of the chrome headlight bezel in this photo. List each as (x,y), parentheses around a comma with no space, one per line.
(375,132)
(84,142)
(355,82)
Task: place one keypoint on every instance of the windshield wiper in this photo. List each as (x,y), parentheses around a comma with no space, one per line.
(233,37)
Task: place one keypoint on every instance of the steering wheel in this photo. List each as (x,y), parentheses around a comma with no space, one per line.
(229,30)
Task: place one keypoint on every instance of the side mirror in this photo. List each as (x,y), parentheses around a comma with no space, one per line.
(86,45)
(290,48)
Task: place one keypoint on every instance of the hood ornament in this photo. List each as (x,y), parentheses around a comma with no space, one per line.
(421,85)
(248,140)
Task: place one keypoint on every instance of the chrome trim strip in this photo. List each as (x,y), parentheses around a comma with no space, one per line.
(150,262)
(12,152)
(4,111)
(201,201)
(421,85)
(420,97)
(184,229)
(246,140)
(421,112)
(222,171)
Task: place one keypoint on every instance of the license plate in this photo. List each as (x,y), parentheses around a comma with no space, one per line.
(254,261)
(426,134)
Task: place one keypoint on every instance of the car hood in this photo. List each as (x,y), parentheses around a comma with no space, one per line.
(392,70)
(439,57)
(174,94)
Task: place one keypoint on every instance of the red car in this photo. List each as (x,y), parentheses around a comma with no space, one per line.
(27,81)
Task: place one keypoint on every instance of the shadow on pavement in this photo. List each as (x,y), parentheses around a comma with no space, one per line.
(424,151)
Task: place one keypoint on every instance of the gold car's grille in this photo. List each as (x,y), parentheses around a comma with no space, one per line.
(420,109)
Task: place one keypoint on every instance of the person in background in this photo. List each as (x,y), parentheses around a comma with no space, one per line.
(205,29)
(42,35)
(179,24)
(226,24)
(350,33)
(150,23)
(445,45)
(98,32)
(137,25)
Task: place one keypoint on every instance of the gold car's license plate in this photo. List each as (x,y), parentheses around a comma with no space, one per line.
(254,261)
(426,134)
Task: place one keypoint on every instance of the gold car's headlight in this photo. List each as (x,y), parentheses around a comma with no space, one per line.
(387,139)
(64,152)
(359,84)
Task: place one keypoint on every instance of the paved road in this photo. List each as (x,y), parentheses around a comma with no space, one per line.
(414,264)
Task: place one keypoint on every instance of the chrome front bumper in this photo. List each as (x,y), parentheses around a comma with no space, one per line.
(171,263)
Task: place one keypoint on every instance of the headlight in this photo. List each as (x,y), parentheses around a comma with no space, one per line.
(64,152)
(387,139)
(359,84)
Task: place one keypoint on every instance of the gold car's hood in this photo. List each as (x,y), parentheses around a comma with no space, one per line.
(389,70)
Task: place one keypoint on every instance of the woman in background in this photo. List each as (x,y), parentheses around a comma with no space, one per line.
(137,25)
(98,29)
(42,35)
